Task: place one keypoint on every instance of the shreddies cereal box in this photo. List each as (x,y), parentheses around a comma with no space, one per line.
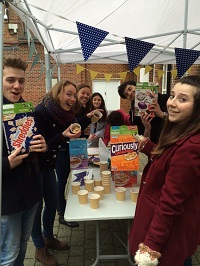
(78,153)
(145,94)
(124,148)
(19,125)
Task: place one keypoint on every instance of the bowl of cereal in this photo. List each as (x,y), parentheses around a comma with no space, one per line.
(121,180)
(75,128)
(74,162)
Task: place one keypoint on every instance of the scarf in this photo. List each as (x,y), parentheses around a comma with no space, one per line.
(58,114)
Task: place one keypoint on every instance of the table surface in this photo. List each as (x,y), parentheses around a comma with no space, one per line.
(109,207)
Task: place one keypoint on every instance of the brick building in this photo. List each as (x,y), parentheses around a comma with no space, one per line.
(16,44)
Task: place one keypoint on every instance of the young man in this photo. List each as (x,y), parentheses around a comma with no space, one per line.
(20,181)
(127,91)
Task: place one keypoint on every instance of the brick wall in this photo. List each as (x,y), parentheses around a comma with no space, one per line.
(15,45)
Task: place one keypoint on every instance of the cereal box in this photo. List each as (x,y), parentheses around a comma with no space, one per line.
(145,94)
(78,153)
(19,125)
(124,148)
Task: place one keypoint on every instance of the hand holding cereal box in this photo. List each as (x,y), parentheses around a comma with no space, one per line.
(19,125)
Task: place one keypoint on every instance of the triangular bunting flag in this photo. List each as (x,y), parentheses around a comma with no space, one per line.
(123,75)
(137,71)
(147,69)
(90,38)
(174,73)
(93,74)
(79,69)
(136,51)
(35,61)
(184,59)
(160,73)
(32,50)
(108,77)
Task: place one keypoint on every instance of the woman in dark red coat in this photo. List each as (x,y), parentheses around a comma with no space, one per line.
(166,227)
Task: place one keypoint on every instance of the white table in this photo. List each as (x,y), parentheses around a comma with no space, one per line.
(109,209)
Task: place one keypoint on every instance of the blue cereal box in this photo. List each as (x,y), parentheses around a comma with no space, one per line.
(78,153)
(19,125)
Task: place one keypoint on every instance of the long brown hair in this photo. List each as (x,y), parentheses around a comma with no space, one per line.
(172,132)
(59,87)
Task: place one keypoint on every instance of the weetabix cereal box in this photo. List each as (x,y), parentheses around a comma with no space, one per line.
(145,94)
(19,125)
(78,153)
(124,148)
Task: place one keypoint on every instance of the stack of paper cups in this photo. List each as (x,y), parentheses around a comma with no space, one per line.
(106,181)
(103,166)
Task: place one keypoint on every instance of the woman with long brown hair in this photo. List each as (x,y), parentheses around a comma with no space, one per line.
(169,198)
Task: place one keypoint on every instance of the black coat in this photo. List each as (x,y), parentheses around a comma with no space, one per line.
(52,132)
(156,123)
(20,185)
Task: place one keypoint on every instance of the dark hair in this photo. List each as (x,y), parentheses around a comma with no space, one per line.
(115,118)
(172,132)
(83,85)
(15,63)
(102,106)
(122,87)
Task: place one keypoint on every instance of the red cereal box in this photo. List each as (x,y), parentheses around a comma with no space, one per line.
(19,125)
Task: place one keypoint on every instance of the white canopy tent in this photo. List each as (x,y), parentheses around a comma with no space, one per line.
(168,24)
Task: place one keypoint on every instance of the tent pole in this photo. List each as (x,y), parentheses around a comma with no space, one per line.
(185,24)
(1,95)
(48,70)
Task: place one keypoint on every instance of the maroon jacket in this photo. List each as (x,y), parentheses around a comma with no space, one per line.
(167,217)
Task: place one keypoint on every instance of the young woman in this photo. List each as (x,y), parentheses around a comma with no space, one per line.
(97,129)
(54,116)
(83,105)
(169,198)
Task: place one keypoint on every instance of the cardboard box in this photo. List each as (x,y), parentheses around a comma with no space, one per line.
(78,153)
(124,148)
(145,94)
(19,125)
(125,178)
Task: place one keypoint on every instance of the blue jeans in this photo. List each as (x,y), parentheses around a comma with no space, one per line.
(15,232)
(62,170)
(49,192)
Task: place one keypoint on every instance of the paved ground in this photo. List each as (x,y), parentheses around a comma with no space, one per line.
(83,246)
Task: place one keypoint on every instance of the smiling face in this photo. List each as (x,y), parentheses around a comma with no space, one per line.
(13,83)
(83,96)
(129,92)
(181,102)
(67,97)
(96,102)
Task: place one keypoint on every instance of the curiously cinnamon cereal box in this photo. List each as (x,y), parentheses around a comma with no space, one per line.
(78,153)
(145,94)
(19,125)
(124,148)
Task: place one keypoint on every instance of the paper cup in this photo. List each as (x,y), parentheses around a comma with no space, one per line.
(94,201)
(75,187)
(83,196)
(97,181)
(120,193)
(75,128)
(134,193)
(107,188)
(89,184)
(97,115)
(99,190)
